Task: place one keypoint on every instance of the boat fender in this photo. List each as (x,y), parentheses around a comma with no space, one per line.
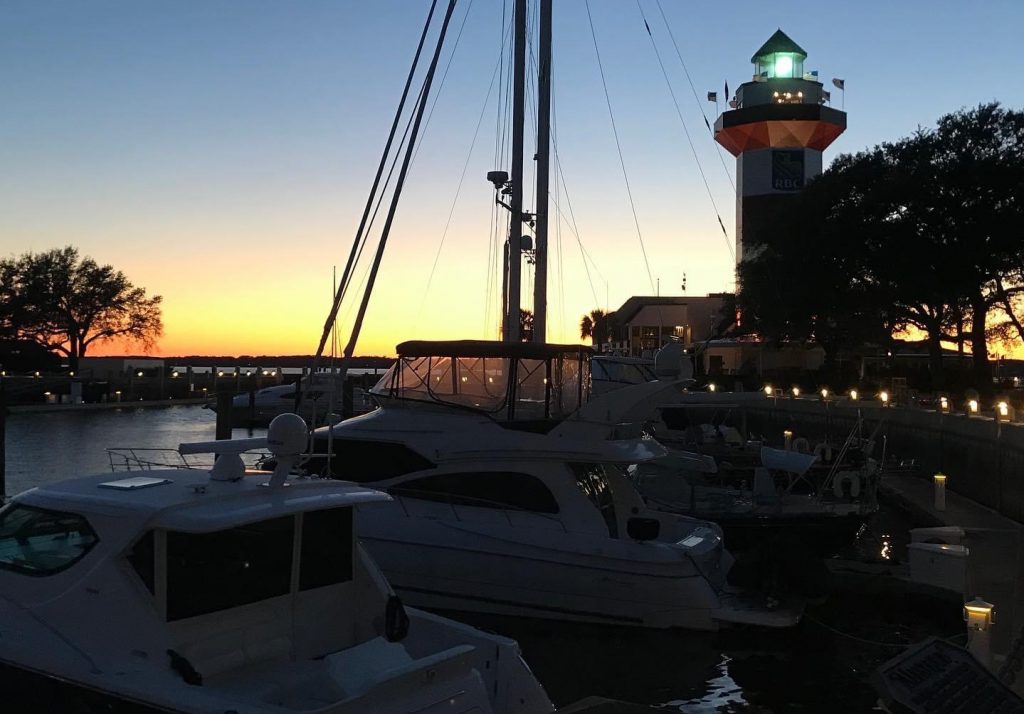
(802,445)
(184,669)
(823,450)
(396,620)
(853,477)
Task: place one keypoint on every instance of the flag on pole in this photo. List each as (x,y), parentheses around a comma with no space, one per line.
(840,83)
(712,96)
(826,95)
(727,89)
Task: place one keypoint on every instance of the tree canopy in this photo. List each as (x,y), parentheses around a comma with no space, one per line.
(66,303)
(924,233)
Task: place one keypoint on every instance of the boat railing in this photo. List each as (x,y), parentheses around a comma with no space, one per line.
(147,459)
(451,500)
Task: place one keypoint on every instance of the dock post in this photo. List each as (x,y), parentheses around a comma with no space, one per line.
(225,397)
(252,406)
(940,491)
(979,617)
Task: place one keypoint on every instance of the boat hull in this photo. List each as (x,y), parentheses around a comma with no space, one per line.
(438,566)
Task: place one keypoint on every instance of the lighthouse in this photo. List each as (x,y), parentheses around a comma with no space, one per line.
(778,125)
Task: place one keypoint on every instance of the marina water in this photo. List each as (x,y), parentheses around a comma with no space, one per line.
(823,664)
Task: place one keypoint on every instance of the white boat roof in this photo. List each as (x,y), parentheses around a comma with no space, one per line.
(188,500)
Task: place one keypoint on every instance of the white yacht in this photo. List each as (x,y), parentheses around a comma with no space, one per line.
(225,591)
(321,394)
(506,502)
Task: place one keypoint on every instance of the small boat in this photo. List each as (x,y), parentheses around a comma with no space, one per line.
(225,590)
(506,502)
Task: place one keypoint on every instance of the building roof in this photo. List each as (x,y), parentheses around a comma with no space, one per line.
(779,42)
(487,348)
(635,304)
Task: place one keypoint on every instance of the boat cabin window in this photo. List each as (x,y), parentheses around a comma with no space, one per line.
(326,548)
(506,381)
(142,557)
(593,483)
(37,541)
(486,489)
(207,572)
(366,461)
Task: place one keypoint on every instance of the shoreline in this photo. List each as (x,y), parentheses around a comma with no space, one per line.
(96,406)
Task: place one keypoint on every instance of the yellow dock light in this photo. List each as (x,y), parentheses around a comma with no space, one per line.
(884,398)
(796,391)
(939,480)
(711,387)
(972,406)
(174,375)
(853,395)
(46,394)
(824,393)
(71,374)
(204,390)
(248,374)
(37,374)
(139,373)
(944,405)
(220,373)
(767,389)
(1003,409)
(787,437)
(979,616)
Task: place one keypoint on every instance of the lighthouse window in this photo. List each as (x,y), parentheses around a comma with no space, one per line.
(35,541)
(208,572)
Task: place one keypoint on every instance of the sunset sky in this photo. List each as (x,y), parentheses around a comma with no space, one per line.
(220,152)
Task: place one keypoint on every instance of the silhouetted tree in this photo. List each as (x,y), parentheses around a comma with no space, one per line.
(525,325)
(66,303)
(596,326)
(922,232)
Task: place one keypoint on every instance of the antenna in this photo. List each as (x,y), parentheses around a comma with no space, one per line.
(286,439)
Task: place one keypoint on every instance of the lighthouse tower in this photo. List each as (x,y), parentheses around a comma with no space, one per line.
(777,129)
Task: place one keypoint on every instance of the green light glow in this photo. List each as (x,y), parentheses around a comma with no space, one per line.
(783,66)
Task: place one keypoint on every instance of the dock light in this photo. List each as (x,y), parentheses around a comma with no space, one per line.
(884,397)
(46,394)
(824,393)
(972,406)
(711,387)
(71,374)
(939,480)
(979,616)
(3,373)
(853,394)
(787,437)
(174,375)
(37,375)
(1004,409)
(248,374)
(266,373)
(944,405)
(768,390)
(796,391)
(139,373)
(204,390)
(466,379)
(220,373)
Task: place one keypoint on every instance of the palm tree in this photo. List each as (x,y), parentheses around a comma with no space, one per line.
(595,326)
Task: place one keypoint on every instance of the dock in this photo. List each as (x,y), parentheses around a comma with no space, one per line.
(995,566)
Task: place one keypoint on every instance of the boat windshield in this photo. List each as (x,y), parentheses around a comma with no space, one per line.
(548,386)
(625,372)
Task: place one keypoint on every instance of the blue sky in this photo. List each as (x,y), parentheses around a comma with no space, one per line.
(220,152)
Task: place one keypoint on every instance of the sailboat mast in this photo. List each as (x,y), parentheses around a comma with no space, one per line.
(515,229)
(540,282)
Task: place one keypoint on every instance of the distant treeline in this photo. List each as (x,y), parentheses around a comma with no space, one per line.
(270,361)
